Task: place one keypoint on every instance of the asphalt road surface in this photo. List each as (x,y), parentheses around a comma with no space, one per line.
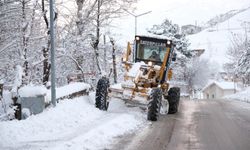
(199,125)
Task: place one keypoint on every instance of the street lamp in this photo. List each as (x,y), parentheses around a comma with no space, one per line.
(136,16)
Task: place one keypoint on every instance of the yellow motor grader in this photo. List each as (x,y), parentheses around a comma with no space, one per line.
(146,80)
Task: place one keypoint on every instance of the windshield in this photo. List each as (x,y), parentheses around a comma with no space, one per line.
(150,52)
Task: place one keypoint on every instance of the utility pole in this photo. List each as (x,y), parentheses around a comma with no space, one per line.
(136,16)
(53,84)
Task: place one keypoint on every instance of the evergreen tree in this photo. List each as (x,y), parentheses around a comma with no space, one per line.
(172,31)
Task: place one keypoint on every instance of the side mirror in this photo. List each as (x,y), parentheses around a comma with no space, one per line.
(174,57)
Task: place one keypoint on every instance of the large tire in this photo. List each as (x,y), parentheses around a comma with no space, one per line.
(173,99)
(102,94)
(154,104)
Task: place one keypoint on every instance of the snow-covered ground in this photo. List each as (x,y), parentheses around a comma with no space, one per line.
(241,96)
(72,125)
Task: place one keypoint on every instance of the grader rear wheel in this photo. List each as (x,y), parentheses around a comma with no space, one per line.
(173,99)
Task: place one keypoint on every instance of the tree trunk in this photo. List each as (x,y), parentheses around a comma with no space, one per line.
(46,66)
(97,39)
(79,22)
(24,44)
(45,50)
(114,60)
(105,53)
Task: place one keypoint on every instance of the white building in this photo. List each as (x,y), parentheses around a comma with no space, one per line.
(217,90)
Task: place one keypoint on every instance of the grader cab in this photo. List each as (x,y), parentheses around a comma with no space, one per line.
(146,80)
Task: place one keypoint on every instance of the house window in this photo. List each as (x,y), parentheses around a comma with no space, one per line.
(207,96)
(212,96)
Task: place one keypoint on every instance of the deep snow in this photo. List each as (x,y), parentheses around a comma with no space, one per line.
(72,125)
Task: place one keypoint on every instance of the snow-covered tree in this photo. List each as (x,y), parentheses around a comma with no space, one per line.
(239,54)
(172,31)
(83,42)
(186,69)
(18,19)
(243,64)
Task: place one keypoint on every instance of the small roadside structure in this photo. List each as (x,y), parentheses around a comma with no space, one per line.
(217,90)
(32,100)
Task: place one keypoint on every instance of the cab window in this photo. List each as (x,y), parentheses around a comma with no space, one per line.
(150,52)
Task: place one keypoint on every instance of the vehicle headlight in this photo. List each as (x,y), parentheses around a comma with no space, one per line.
(150,63)
(124,59)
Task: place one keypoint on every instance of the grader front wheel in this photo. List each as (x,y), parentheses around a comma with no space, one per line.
(154,104)
(173,98)
(102,94)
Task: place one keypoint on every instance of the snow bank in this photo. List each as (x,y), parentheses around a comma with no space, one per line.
(69,89)
(72,125)
(32,91)
(241,96)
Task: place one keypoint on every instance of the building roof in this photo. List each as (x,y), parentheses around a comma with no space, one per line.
(222,84)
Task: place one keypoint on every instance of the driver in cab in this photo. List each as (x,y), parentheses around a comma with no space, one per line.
(154,56)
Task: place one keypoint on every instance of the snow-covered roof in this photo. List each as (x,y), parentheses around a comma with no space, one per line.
(32,91)
(226,85)
(222,84)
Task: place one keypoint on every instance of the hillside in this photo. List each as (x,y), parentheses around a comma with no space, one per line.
(216,40)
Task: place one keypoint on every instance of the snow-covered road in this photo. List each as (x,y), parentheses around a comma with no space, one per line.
(72,125)
(199,125)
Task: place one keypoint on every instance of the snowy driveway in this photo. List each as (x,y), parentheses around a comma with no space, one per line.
(73,125)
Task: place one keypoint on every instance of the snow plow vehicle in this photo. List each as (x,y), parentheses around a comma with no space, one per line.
(146,80)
